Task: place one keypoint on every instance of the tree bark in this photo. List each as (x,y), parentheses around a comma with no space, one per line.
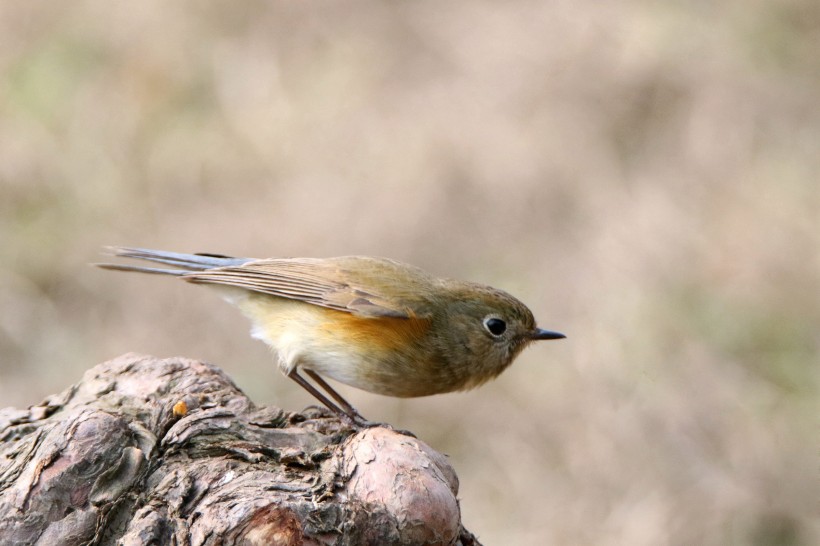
(147,451)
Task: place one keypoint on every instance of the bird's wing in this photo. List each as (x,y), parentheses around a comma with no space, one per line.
(352,284)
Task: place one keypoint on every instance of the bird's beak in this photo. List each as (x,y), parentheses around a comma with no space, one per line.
(538,333)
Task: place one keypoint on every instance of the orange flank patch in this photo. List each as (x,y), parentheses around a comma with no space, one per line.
(294,327)
(383,333)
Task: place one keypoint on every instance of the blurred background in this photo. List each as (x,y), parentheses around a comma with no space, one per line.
(644,175)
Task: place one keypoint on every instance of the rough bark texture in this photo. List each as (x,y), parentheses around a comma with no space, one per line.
(169,451)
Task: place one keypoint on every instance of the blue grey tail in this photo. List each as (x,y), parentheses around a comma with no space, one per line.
(186,263)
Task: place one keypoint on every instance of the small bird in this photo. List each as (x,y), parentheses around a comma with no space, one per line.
(373,323)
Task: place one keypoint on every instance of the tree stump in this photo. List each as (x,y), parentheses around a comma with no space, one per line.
(147,451)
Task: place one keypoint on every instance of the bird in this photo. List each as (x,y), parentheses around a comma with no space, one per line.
(373,323)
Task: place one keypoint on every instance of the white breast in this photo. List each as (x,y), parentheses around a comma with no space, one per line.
(293,329)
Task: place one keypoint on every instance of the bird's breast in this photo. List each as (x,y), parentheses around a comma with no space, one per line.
(385,355)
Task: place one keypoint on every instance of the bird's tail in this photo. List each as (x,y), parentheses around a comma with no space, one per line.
(186,263)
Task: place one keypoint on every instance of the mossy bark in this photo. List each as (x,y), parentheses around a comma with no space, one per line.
(169,451)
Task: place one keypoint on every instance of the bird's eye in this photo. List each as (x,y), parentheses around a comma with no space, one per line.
(495,326)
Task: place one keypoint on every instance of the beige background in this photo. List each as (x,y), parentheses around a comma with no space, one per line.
(643,174)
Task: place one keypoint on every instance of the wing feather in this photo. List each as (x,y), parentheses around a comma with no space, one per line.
(336,283)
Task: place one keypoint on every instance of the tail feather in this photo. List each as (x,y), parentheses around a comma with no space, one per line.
(153,270)
(187,262)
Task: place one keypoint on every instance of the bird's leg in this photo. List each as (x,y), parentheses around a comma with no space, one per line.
(346,406)
(350,411)
(351,416)
(347,412)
